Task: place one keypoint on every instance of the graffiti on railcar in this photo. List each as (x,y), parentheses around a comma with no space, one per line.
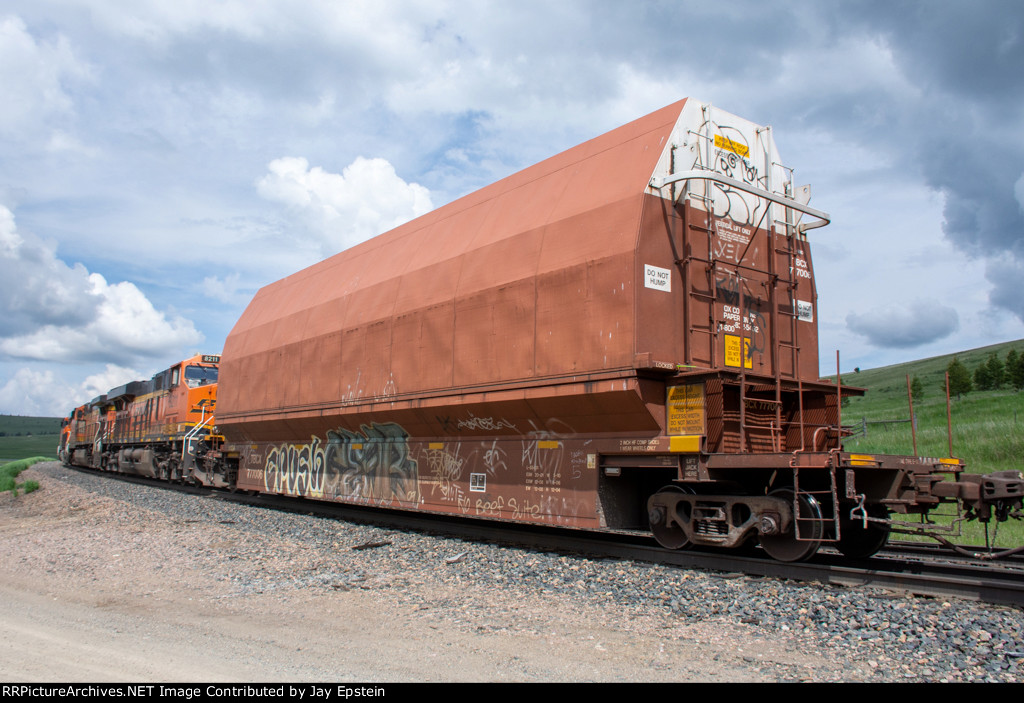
(552,509)
(543,454)
(373,465)
(486,423)
(489,508)
(524,509)
(495,458)
(731,157)
(577,461)
(295,469)
(541,464)
(516,508)
(445,467)
(562,509)
(733,243)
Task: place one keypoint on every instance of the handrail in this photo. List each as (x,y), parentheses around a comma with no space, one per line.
(186,445)
(659,182)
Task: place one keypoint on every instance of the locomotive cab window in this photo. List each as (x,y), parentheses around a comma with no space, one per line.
(200,375)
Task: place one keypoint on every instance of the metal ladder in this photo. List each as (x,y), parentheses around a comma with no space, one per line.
(807,528)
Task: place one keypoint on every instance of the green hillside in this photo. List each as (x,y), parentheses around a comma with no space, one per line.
(22,437)
(19,425)
(988,426)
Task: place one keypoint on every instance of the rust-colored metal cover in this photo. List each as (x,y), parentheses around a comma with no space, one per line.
(565,302)
(521,287)
(562,279)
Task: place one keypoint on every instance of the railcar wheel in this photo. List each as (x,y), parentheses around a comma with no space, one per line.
(786,547)
(857,542)
(668,536)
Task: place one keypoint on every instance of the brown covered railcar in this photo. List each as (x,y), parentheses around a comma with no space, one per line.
(623,334)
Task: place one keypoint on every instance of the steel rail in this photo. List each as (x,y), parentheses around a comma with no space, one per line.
(944,575)
(981,581)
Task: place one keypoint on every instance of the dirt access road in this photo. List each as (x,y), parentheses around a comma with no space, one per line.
(97,586)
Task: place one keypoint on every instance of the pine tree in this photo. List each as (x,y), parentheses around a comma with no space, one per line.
(1015,369)
(983,378)
(959,378)
(996,371)
(916,388)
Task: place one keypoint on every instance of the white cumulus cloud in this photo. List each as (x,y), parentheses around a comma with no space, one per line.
(341,210)
(39,393)
(228,289)
(39,288)
(126,326)
(43,393)
(33,74)
(99,383)
(50,311)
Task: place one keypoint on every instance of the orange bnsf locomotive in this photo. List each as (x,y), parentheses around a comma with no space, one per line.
(623,336)
(161,428)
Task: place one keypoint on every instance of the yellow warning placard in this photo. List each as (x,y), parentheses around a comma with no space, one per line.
(737,354)
(685,407)
(728,144)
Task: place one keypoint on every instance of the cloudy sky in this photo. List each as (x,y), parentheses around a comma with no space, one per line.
(160,161)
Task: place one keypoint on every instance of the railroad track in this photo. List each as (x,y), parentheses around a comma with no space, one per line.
(905,568)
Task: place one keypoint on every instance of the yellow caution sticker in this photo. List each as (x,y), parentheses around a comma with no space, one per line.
(737,355)
(685,408)
(729,145)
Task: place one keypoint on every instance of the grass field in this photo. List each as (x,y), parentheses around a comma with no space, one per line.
(22,437)
(15,425)
(988,426)
(14,448)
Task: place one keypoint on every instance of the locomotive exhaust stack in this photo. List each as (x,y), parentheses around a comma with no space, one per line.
(623,336)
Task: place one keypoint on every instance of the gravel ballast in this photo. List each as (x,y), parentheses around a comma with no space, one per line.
(195,588)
